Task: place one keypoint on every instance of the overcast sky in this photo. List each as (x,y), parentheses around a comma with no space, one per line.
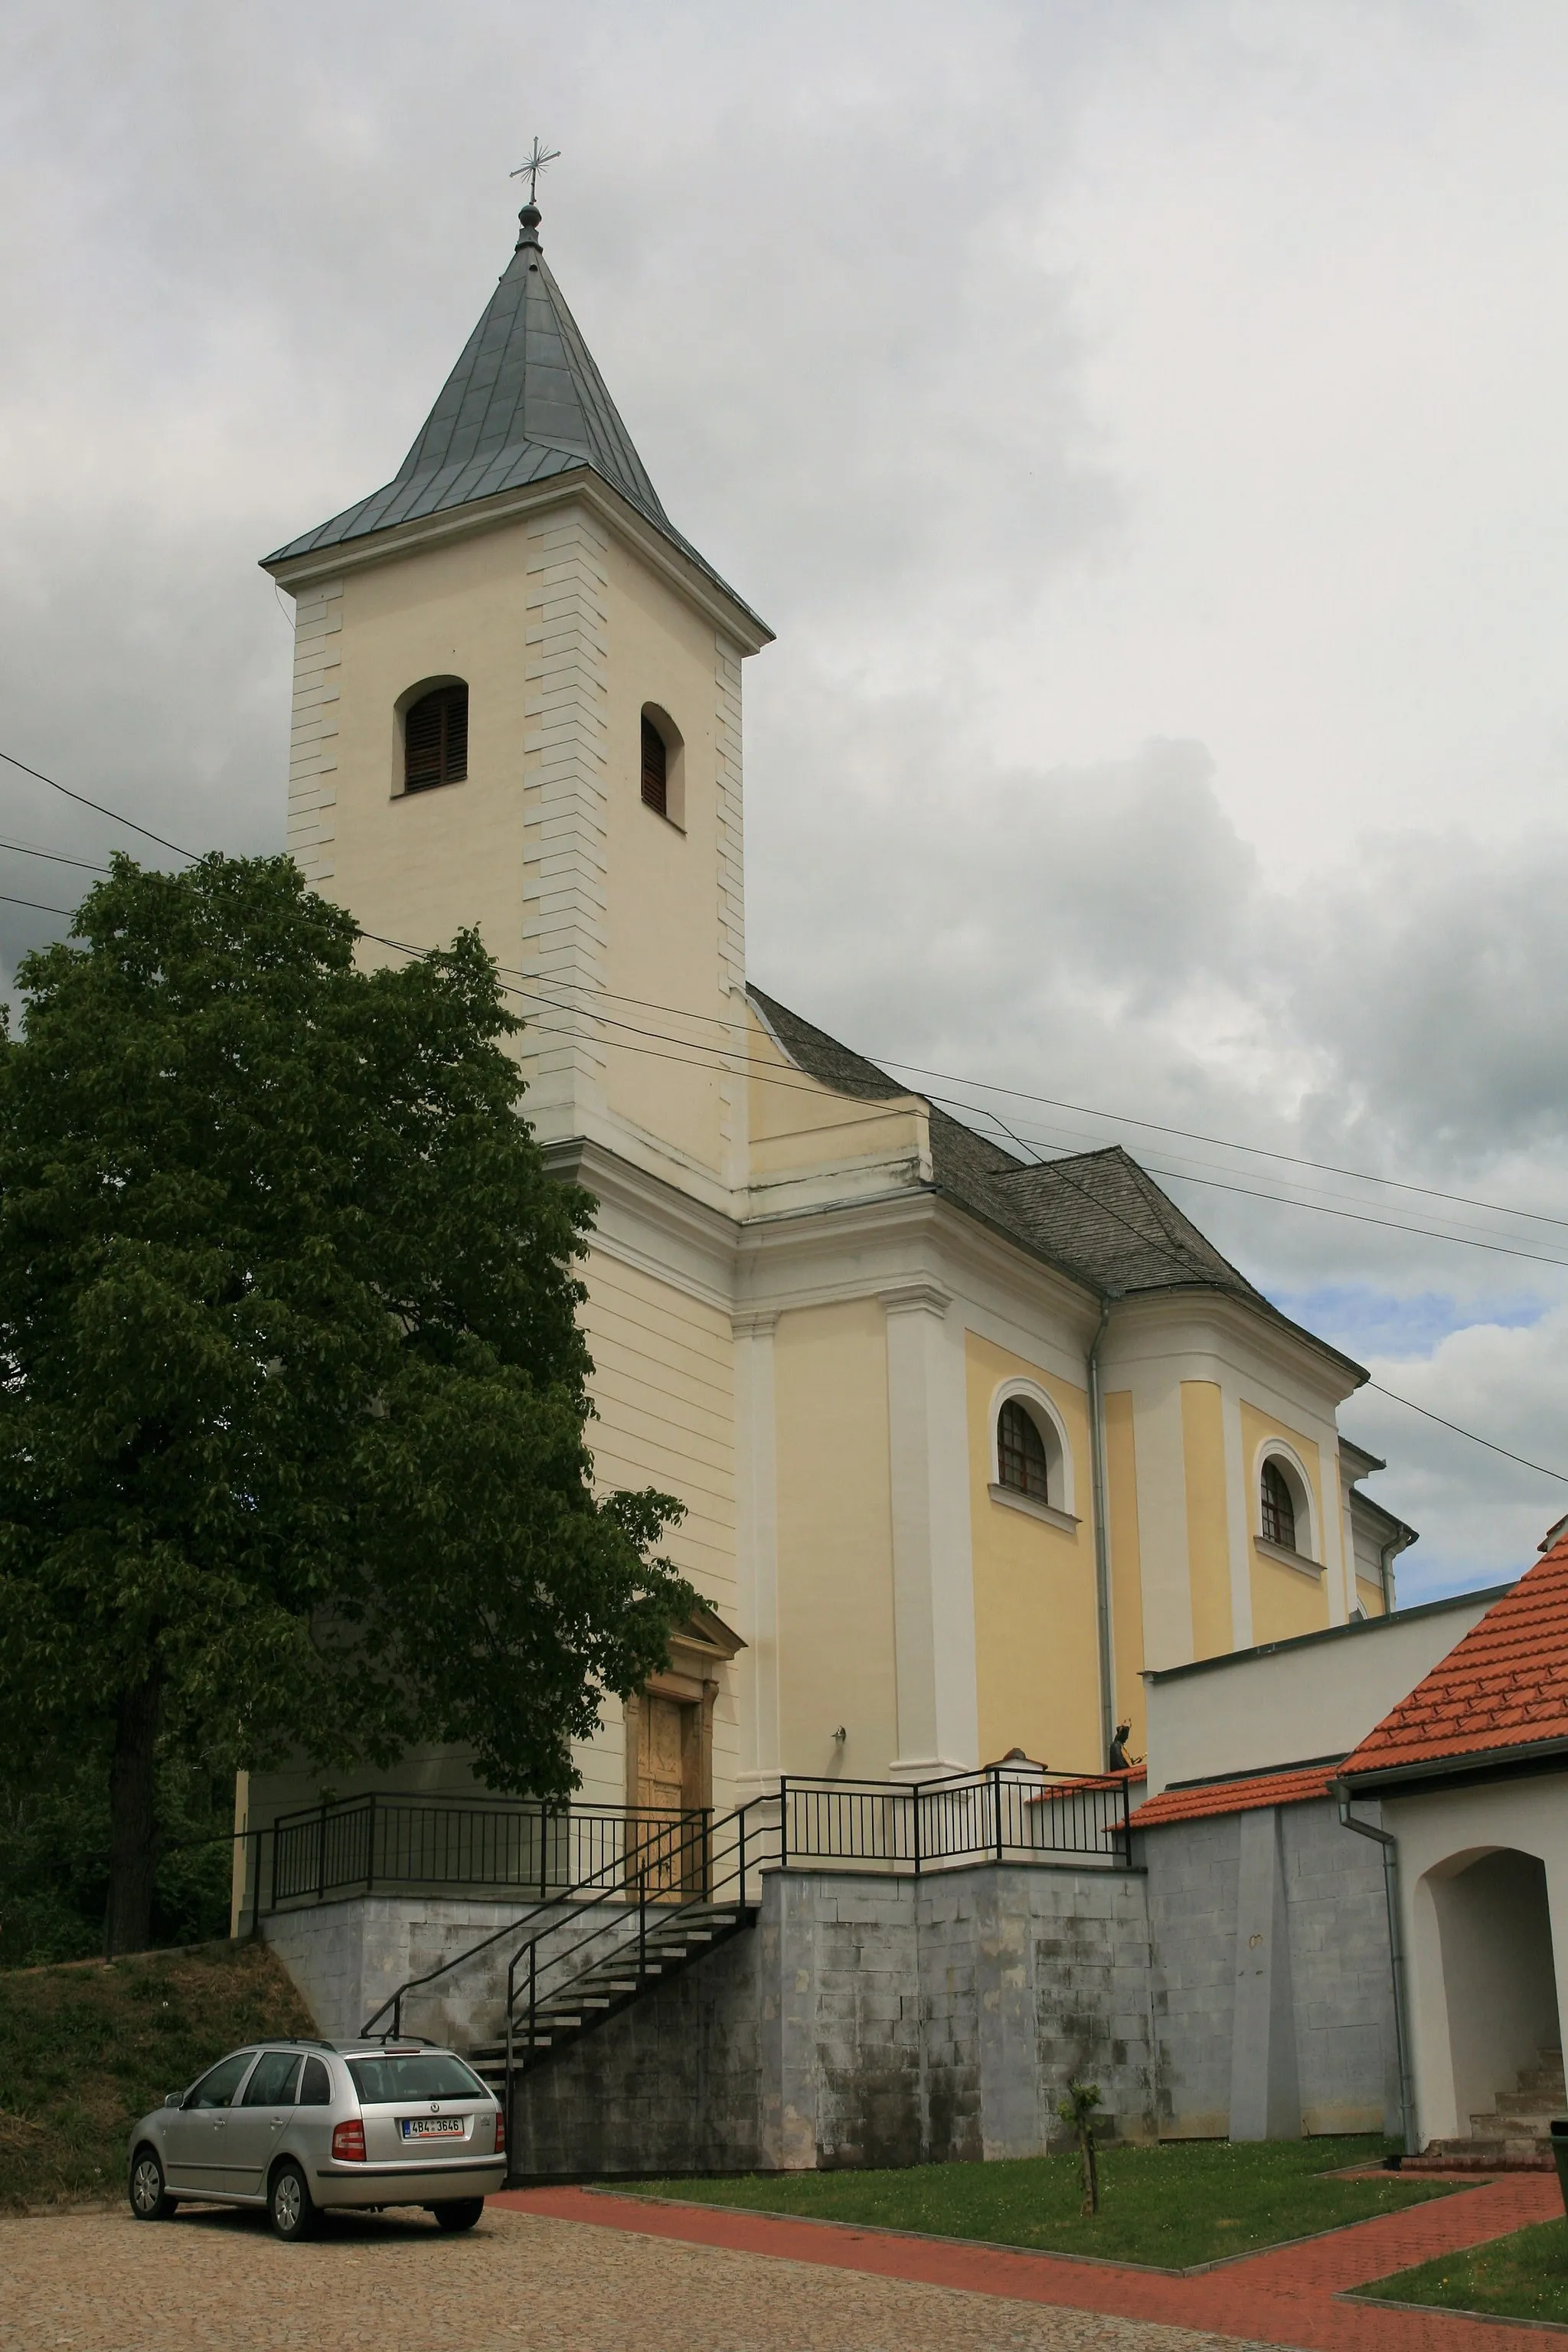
(1141,421)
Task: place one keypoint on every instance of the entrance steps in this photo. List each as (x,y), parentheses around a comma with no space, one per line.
(1514,2135)
(639,1961)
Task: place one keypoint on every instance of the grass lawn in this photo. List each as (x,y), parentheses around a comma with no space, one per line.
(1524,2276)
(1185,2201)
(86,2047)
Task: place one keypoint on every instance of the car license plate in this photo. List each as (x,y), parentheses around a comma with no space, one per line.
(432,2126)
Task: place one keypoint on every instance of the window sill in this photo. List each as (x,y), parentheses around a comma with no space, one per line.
(1286,1557)
(1033,1510)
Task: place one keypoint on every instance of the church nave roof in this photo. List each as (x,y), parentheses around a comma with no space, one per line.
(1097,1215)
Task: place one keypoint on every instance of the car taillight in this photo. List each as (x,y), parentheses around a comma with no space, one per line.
(348,2142)
(500,2131)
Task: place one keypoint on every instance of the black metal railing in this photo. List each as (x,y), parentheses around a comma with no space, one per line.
(656,1866)
(1004,1813)
(359,1844)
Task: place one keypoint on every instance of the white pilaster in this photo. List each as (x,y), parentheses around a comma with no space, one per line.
(565,856)
(933,1570)
(311,831)
(757,1547)
(1238,1519)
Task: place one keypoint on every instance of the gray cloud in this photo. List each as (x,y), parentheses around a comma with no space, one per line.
(1141,426)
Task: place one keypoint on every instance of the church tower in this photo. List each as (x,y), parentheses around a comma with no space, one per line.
(517,705)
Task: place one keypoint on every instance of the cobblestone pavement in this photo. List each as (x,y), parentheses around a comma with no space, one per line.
(211,2282)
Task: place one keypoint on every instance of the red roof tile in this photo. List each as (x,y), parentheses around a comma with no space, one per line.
(1235,1796)
(1504,1685)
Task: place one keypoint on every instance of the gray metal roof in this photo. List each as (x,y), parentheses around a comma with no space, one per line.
(1096,1216)
(524,402)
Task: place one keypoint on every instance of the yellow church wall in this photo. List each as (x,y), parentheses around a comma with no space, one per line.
(835,1540)
(1208,1529)
(419,866)
(1036,1643)
(1126,1564)
(1284,1601)
(663,1389)
(662,885)
(795,1123)
(1370,1596)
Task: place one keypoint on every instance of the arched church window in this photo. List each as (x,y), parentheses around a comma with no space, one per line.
(436,738)
(1022,1463)
(655,769)
(1278,1507)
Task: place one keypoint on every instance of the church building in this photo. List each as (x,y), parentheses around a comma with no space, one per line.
(968,1444)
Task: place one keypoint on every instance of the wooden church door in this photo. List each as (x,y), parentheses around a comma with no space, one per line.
(668,1768)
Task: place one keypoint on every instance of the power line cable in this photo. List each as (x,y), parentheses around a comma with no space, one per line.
(37,905)
(1459,1431)
(720,1057)
(55,856)
(113,814)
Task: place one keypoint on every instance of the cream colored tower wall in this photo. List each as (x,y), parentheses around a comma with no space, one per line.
(417,866)
(1035,1644)
(835,1542)
(663,1390)
(674,957)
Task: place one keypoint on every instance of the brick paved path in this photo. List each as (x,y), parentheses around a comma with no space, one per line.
(1287,2298)
(212,2282)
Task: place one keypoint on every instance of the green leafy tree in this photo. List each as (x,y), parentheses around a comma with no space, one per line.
(292,1389)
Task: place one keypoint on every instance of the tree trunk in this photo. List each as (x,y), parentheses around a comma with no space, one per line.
(133,1828)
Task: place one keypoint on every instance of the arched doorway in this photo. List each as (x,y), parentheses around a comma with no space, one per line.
(1499,1981)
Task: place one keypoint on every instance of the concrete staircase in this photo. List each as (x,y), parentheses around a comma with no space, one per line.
(649,1953)
(1515,2134)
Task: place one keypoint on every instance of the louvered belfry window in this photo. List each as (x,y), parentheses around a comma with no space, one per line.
(655,769)
(1021,1461)
(436,738)
(1278,1511)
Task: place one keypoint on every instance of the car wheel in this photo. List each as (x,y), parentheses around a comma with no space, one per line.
(150,2200)
(459,2215)
(288,2205)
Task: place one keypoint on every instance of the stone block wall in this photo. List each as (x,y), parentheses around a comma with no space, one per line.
(1237,1982)
(1251,2021)
(866,2021)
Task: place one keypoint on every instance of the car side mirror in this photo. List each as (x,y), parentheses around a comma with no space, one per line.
(172,2098)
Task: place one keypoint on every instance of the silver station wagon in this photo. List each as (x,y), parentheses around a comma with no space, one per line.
(307,2127)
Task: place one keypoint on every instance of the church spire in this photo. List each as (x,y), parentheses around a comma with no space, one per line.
(524,402)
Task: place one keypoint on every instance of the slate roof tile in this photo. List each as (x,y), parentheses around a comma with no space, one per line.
(1097,1215)
(1504,1685)
(525,402)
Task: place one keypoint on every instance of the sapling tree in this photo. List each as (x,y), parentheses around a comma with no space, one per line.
(293,1394)
(1077,2109)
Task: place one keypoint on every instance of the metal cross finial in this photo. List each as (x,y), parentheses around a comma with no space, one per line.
(533,166)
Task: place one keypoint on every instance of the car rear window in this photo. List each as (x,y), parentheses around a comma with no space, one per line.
(383,2082)
(316,2090)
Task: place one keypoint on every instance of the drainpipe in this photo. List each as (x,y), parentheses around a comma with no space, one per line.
(1390,1845)
(1386,1554)
(1101,1540)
